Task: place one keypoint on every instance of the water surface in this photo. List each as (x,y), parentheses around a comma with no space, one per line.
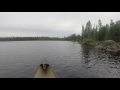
(20,59)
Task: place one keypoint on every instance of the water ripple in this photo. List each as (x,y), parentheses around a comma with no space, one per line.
(68,59)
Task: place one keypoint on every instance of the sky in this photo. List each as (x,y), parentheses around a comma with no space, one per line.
(51,24)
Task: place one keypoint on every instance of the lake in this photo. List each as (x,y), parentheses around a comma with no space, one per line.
(20,59)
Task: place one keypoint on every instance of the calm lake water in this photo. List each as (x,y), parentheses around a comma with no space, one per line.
(20,59)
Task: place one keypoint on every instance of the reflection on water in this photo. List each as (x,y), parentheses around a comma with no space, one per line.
(68,59)
(86,54)
(104,64)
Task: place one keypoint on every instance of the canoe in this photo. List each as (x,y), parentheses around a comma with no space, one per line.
(44,70)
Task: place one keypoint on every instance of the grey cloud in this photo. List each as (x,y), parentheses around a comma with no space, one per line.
(50,23)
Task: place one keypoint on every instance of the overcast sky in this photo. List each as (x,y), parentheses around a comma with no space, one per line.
(52,24)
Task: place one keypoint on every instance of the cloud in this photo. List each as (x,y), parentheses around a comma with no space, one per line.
(50,23)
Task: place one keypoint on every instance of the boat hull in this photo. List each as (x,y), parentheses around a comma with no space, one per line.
(44,73)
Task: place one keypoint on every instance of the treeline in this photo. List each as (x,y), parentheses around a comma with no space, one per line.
(28,38)
(102,32)
(73,37)
(98,32)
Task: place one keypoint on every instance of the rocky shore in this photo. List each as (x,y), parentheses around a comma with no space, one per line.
(109,46)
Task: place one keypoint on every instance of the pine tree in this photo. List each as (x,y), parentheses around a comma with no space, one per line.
(83,32)
(99,24)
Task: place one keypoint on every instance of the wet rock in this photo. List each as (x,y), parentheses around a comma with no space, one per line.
(110,46)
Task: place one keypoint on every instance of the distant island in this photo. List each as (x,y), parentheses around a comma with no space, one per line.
(28,38)
(69,38)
